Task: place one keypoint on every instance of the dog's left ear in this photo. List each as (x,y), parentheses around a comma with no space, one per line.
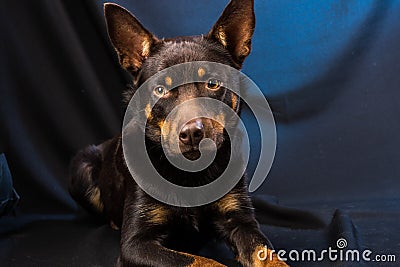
(235,28)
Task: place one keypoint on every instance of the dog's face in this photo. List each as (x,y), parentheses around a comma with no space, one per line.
(143,55)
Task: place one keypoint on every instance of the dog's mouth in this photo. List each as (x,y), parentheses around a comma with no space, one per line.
(192,154)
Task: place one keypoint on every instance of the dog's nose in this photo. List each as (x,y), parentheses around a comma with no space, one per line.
(192,132)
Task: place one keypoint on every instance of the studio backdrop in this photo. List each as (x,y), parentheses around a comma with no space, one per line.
(329,69)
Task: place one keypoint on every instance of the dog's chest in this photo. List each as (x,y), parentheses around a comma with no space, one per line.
(190,219)
(189,230)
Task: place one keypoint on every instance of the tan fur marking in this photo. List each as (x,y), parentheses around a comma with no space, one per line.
(94,198)
(201,72)
(234,101)
(161,124)
(113,226)
(221,119)
(157,215)
(203,262)
(228,203)
(219,123)
(165,128)
(275,262)
(148,112)
(126,62)
(221,36)
(246,51)
(168,81)
(146,48)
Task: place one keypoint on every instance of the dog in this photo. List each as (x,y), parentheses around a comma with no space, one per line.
(101,182)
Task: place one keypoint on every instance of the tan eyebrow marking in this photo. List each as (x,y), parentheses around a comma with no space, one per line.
(168,81)
(201,72)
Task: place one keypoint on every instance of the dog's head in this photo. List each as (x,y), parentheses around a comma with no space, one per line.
(143,55)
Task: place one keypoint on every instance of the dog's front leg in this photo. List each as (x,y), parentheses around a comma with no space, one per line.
(141,252)
(253,248)
(236,222)
(145,225)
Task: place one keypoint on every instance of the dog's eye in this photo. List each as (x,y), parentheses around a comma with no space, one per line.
(214,84)
(160,91)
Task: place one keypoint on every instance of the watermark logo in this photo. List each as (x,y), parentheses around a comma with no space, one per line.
(331,254)
(134,125)
(341,243)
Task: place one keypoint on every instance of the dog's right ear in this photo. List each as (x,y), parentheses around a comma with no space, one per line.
(130,39)
(234,29)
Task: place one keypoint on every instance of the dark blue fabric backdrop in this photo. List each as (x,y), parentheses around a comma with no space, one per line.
(329,69)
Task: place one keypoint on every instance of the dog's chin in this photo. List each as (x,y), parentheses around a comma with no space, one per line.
(192,154)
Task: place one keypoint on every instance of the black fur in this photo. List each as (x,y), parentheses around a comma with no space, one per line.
(148,227)
(85,170)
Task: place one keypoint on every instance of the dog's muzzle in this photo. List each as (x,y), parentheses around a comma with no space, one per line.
(192,133)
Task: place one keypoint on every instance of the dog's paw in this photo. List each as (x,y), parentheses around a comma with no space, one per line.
(264,257)
(205,262)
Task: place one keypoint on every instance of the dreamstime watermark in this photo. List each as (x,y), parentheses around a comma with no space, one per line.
(134,141)
(339,254)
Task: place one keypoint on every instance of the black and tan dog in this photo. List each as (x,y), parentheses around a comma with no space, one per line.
(101,182)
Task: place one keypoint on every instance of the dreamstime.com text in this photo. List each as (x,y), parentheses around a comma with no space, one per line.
(340,254)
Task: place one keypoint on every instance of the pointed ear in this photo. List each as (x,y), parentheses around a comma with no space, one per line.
(130,39)
(235,28)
